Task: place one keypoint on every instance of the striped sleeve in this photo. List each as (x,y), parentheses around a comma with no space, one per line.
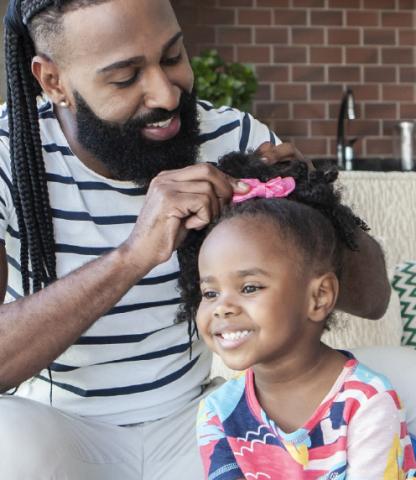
(5,189)
(254,133)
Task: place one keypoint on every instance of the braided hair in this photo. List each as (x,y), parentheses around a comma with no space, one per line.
(312,217)
(31,26)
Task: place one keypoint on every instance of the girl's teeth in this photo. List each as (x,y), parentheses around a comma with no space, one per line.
(164,124)
(234,335)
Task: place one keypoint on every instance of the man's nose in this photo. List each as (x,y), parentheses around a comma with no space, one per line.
(160,92)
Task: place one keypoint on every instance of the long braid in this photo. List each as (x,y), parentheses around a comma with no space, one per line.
(28,170)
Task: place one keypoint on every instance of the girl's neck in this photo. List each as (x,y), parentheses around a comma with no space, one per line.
(291,391)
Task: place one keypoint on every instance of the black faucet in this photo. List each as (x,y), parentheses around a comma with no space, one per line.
(346,111)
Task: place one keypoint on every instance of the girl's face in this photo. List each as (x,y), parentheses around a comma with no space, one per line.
(255,294)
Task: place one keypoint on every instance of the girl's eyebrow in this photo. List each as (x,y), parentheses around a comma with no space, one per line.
(240,273)
(252,271)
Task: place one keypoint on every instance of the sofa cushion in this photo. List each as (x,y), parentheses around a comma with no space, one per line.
(404,282)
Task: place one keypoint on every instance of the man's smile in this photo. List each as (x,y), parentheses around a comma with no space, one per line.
(161,131)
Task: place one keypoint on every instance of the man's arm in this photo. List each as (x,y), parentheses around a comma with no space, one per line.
(364,285)
(36,329)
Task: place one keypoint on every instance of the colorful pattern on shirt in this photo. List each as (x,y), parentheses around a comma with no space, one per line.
(132,365)
(358,432)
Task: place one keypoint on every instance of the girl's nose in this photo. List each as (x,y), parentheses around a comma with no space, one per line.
(226,310)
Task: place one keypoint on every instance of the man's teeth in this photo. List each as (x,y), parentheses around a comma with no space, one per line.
(234,335)
(164,124)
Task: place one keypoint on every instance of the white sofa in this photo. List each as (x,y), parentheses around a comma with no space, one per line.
(387,202)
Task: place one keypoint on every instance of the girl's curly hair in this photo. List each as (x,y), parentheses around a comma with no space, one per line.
(312,218)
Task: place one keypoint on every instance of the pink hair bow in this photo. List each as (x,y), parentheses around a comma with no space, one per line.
(275,188)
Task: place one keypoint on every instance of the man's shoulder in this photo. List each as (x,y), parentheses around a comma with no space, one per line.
(208,115)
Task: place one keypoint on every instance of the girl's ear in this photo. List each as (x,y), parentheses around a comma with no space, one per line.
(323,296)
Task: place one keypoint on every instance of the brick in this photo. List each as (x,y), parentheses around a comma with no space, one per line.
(290,54)
(408,74)
(234,35)
(264,92)
(407,37)
(379,146)
(344,74)
(326,55)
(327,128)
(379,74)
(344,4)
(367,92)
(307,36)
(326,17)
(273,73)
(289,17)
(363,18)
(380,4)
(362,55)
(397,56)
(399,93)
(396,19)
(272,110)
(273,3)
(290,92)
(251,16)
(199,34)
(343,36)
(317,147)
(302,111)
(271,35)
(291,128)
(309,3)
(247,54)
(307,73)
(360,128)
(408,111)
(406,4)
(236,3)
(379,36)
(216,16)
(326,92)
(380,110)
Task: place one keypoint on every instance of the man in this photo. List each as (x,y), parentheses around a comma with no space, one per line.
(106,387)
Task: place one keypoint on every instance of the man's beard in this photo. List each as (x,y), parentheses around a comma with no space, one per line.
(127,153)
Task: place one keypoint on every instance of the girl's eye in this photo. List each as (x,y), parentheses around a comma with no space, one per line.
(126,83)
(172,60)
(209,294)
(251,288)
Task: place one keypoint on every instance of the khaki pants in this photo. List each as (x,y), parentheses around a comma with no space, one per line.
(39,442)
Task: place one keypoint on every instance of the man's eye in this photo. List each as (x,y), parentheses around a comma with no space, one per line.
(126,83)
(172,60)
(209,294)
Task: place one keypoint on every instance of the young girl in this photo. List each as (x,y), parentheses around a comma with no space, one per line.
(267,283)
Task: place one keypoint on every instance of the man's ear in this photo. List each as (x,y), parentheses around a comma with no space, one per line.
(47,74)
(323,296)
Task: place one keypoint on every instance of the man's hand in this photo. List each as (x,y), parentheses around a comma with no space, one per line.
(281,153)
(177,201)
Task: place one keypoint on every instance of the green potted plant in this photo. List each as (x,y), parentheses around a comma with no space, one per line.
(222,83)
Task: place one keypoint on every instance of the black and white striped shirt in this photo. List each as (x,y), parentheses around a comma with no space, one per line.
(133,364)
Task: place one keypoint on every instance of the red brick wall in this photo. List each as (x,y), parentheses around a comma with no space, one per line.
(306,52)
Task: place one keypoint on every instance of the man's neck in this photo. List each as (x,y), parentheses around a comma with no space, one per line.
(67,122)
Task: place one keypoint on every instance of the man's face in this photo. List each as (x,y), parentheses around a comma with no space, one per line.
(129,77)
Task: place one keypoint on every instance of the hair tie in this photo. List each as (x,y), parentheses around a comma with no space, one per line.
(275,188)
